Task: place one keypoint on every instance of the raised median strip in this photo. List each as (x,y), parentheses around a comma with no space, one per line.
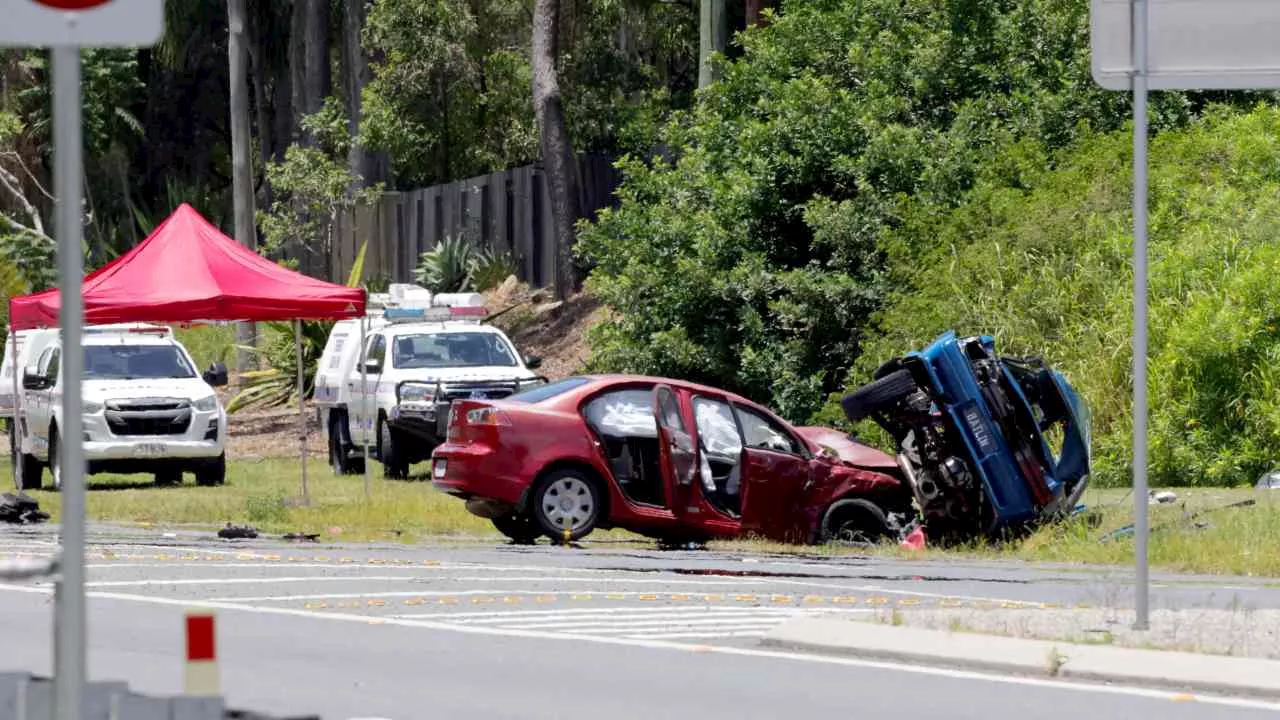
(1170,670)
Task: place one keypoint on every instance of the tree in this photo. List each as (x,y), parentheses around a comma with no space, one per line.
(557,149)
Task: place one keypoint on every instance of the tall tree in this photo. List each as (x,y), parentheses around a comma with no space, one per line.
(367,167)
(557,150)
(713,32)
(241,168)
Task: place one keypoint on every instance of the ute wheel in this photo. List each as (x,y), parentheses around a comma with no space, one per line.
(566,498)
(878,395)
(393,464)
(55,463)
(32,472)
(854,521)
(342,463)
(168,478)
(214,473)
(520,529)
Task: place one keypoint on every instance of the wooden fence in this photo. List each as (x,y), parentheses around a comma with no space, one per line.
(509,210)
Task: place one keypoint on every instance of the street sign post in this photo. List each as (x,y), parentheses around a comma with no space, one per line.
(66,26)
(1143,45)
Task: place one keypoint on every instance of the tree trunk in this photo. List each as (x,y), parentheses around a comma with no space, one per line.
(713,32)
(298,67)
(319,74)
(241,170)
(753,8)
(366,166)
(557,150)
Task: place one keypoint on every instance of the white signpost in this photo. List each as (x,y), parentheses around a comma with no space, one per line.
(1143,45)
(66,26)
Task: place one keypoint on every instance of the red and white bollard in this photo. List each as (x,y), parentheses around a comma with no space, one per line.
(202,656)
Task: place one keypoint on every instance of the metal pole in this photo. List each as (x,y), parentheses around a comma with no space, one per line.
(1141,600)
(69,658)
(364,406)
(14,438)
(302,412)
(241,160)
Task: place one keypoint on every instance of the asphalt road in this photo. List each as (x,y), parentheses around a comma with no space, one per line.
(606,630)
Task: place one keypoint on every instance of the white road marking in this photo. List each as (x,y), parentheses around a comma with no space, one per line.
(437,593)
(681,647)
(241,581)
(579,612)
(592,627)
(694,635)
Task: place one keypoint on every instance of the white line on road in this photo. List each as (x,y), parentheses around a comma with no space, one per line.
(577,612)
(681,647)
(590,627)
(241,581)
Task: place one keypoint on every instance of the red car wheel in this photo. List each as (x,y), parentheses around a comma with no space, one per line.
(566,499)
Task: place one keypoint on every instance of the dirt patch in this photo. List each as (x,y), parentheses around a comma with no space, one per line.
(540,325)
(272,433)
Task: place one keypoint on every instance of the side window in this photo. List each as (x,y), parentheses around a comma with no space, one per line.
(52,371)
(623,413)
(717,429)
(377,350)
(764,433)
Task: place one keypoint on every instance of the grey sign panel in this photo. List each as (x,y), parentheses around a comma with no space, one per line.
(1192,44)
(118,23)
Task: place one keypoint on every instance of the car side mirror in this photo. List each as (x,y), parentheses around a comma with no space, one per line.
(216,375)
(372,367)
(31,380)
(532,361)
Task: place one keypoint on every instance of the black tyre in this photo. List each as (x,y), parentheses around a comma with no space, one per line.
(566,498)
(878,395)
(32,473)
(854,521)
(214,473)
(520,529)
(168,478)
(55,462)
(394,466)
(339,460)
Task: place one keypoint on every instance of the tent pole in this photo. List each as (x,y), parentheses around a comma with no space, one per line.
(14,440)
(364,404)
(302,412)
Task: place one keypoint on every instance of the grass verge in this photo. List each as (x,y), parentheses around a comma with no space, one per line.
(1195,534)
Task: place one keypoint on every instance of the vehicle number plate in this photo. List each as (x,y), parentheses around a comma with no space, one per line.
(149,450)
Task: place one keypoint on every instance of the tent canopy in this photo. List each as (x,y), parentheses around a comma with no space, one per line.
(187,270)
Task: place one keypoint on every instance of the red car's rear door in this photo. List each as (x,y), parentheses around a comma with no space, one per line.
(676,450)
(775,473)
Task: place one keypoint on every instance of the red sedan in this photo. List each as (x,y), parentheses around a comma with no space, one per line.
(667,459)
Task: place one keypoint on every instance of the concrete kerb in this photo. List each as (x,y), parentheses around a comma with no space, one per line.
(1156,669)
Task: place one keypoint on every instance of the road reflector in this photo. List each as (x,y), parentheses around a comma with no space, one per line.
(679,597)
(201,675)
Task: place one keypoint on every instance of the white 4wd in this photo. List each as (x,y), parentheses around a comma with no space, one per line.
(146,409)
(421,353)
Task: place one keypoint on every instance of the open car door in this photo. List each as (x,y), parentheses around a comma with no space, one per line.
(676,451)
(775,477)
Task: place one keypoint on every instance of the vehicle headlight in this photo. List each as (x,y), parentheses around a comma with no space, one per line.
(527,383)
(207,404)
(417,394)
(89,408)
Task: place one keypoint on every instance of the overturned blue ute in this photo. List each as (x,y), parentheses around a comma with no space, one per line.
(991,445)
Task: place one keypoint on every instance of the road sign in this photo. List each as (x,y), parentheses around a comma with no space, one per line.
(1142,45)
(91,23)
(1191,44)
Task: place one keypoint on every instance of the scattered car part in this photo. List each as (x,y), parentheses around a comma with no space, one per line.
(238,531)
(21,509)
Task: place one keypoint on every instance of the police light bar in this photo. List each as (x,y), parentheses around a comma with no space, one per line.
(421,314)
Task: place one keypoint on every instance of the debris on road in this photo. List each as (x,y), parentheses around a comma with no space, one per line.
(301,537)
(1163,497)
(231,532)
(21,509)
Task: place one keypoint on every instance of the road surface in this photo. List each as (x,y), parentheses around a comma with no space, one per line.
(607,630)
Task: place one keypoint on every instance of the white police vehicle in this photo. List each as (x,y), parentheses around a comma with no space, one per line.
(146,409)
(421,352)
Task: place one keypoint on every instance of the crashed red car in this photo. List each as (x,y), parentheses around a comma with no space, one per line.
(671,460)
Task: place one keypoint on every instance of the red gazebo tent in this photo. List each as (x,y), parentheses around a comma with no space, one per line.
(187,270)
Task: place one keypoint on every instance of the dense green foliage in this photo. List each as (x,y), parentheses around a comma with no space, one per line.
(754,258)
(1047,271)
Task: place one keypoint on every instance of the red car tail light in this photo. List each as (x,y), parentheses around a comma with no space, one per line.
(487,416)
